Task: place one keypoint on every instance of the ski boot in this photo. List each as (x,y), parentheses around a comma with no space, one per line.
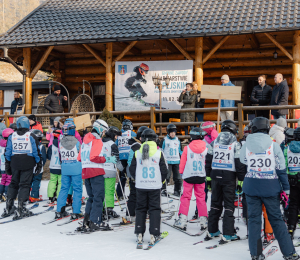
(196,216)
(63,213)
(153,239)
(268,237)
(140,238)
(75,216)
(176,193)
(210,236)
(10,208)
(111,213)
(33,200)
(291,230)
(83,201)
(22,211)
(96,227)
(69,200)
(294,256)
(260,257)
(85,223)
(164,193)
(227,238)
(203,222)
(181,222)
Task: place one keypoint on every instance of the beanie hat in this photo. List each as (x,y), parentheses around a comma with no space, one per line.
(56,87)
(225,77)
(56,119)
(281,122)
(32,117)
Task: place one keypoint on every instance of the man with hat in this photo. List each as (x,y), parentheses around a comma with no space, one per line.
(227,103)
(55,102)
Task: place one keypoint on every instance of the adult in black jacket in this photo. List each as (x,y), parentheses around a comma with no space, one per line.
(199,103)
(280,96)
(17,102)
(261,95)
(55,102)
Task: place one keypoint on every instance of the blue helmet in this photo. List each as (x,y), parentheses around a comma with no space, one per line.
(68,129)
(69,120)
(23,122)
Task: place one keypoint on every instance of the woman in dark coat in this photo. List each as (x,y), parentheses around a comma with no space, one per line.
(188,98)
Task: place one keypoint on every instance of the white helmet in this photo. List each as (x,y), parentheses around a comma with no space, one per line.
(99,126)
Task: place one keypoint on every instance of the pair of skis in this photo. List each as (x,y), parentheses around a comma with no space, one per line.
(184,231)
(150,246)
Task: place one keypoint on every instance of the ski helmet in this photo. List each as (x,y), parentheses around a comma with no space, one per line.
(171,128)
(143,69)
(37,133)
(127,125)
(247,130)
(13,126)
(140,131)
(112,132)
(297,134)
(7,132)
(289,134)
(99,126)
(148,135)
(229,125)
(23,122)
(260,124)
(68,129)
(197,133)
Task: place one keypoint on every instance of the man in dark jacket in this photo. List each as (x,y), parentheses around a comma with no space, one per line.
(261,96)
(280,96)
(17,103)
(55,102)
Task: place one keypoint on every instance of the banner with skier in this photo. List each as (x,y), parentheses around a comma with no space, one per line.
(135,90)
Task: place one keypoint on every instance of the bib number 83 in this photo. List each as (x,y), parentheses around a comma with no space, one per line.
(146,172)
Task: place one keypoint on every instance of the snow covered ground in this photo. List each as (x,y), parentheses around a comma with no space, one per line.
(29,239)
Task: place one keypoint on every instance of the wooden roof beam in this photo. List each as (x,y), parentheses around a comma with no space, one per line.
(53,53)
(122,54)
(215,48)
(253,41)
(41,62)
(209,42)
(277,44)
(168,45)
(133,50)
(96,54)
(184,53)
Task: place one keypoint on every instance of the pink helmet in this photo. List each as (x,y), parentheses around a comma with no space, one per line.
(208,126)
(7,132)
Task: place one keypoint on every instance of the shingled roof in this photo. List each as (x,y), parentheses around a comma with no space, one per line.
(91,21)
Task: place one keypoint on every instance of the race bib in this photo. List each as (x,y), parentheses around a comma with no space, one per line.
(123,145)
(223,157)
(68,156)
(293,161)
(21,143)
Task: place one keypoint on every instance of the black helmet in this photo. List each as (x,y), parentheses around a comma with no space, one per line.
(229,125)
(13,126)
(260,124)
(37,133)
(127,125)
(148,135)
(289,134)
(140,131)
(297,134)
(197,133)
(112,132)
(171,128)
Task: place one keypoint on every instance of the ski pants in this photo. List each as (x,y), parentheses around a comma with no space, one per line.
(35,186)
(174,169)
(66,181)
(5,181)
(54,185)
(244,203)
(294,205)
(272,205)
(110,184)
(222,191)
(20,184)
(187,195)
(95,190)
(148,201)
(267,226)
(131,204)
(122,179)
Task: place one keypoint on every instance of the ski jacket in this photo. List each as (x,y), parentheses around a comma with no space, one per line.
(188,99)
(227,103)
(70,143)
(94,156)
(164,148)
(225,138)
(261,95)
(280,96)
(23,161)
(198,147)
(293,147)
(43,153)
(258,183)
(49,156)
(114,152)
(124,155)
(55,103)
(134,147)
(277,133)
(209,128)
(37,125)
(152,151)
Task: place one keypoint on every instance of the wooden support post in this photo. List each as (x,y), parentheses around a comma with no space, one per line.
(296,73)
(214,49)
(122,54)
(241,119)
(6,118)
(1,101)
(41,62)
(198,62)
(28,83)
(184,53)
(109,78)
(152,117)
(219,105)
(277,44)
(95,53)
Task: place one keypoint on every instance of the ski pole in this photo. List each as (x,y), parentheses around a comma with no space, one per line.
(238,207)
(118,200)
(179,201)
(106,211)
(124,196)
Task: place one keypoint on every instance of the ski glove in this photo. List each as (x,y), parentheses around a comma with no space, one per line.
(284,198)
(293,179)
(111,159)
(208,182)
(120,166)
(239,188)
(7,167)
(38,168)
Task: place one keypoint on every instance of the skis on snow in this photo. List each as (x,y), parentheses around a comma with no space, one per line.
(70,221)
(225,242)
(184,231)
(54,220)
(271,251)
(161,237)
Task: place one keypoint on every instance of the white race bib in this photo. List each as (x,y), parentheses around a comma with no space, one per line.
(55,160)
(123,145)
(293,161)
(21,143)
(223,157)
(2,157)
(106,152)
(68,156)
(195,164)
(171,150)
(85,157)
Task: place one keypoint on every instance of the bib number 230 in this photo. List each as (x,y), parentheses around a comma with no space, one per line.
(148,172)
(260,162)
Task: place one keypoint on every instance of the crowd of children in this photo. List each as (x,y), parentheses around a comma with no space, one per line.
(260,167)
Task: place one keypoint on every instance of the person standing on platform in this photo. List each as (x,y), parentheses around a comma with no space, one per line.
(227,103)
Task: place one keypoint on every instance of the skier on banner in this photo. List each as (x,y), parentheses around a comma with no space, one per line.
(133,83)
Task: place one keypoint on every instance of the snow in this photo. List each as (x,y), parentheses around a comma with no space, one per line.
(28,239)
